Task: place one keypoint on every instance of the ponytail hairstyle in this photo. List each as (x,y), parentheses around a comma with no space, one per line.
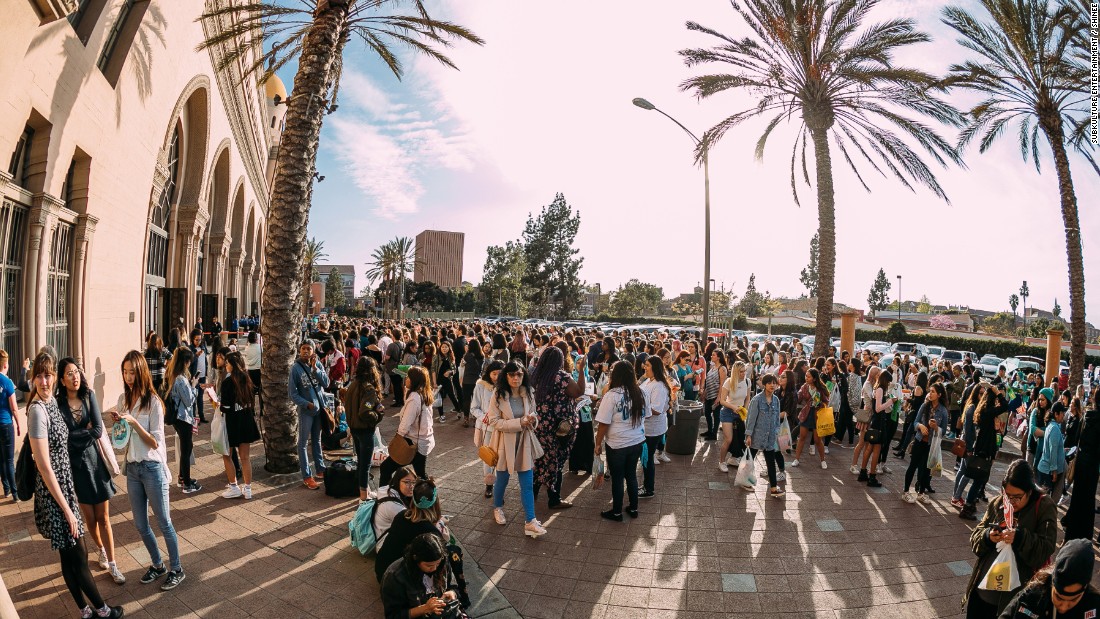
(427,548)
(239,376)
(622,375)
(658,368)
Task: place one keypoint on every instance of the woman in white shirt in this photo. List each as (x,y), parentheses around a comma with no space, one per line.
(416,423)
(657,389)
(479,410)
(733,395)
(620,417)
(147,467)
(513,420)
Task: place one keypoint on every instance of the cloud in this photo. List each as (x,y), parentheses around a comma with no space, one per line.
(389,149)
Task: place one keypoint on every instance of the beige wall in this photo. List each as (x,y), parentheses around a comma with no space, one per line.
(124,130)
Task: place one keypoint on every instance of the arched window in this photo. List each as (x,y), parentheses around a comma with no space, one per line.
(157,264)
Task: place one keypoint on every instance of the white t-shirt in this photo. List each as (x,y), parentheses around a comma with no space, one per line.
(151,418)
(615,412)
(737,394)
(657,399)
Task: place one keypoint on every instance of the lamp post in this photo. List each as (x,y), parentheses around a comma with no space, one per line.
(646,105)
(899,298)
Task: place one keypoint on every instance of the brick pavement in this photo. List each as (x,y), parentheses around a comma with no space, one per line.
(701,548)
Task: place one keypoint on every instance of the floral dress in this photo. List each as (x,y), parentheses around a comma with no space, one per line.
(555,407)
(48,515)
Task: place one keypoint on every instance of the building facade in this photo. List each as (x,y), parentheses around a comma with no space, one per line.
(439,258)
(347,278)
(137,191)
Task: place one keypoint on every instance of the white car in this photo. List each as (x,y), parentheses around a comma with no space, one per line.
(935,352)
(989,364)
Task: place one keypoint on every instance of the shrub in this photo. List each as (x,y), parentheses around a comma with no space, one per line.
(896,332)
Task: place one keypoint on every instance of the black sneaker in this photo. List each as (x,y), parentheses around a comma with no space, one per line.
(611,515)
(192,487)
(632,512)
(174,579)
(153,574)
(114,612)
(862,475)
(646,494)
(873,482)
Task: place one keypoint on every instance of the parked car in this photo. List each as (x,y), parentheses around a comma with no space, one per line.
(935,352)
(989,364)
(1015,364)
(952,356)
(919,350)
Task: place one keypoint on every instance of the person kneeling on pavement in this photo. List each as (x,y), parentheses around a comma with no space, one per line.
(419,584)
(1062,589)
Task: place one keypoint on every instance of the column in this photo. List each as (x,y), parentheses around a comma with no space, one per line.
(1054,353)
(848,331)
(85,229)
(41,220)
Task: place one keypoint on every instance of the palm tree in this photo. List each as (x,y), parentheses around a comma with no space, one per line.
(404,254)
(314,32)
(1033,71)
(816,62)
(382,268)
(315,253)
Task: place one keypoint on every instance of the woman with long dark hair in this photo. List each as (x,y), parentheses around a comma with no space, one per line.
(811,397)
(55,500)
(931,417)
(443,371)
(620,417)
(479,410)
(419,584)
(716,377)
(415,423)
(981,440)
(181,412)
(657,388)
(471,372)
(555,391)
(363,403)
(142,410)
(916,400)
(240,424)
(1081,515)
(513,418)
(91,475)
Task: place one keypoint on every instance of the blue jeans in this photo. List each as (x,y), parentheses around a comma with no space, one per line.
(961,481)
(7,457)
(309,430)
(526,491)
(147,485)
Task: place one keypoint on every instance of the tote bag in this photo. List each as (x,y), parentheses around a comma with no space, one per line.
(825,424)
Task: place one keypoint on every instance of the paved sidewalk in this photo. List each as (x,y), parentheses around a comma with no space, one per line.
(701,548)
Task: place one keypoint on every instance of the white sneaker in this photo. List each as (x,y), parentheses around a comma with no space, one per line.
(824,464)
(795,463)
(813,450)
(656,460)
(663,457)
(248,491)
(1062,502)
(733,461)
(233,492)
(116,575)
(923,498)
(103,559)
(722,466)
(826,451)
(854,470)
(498,515)
(885,469)
(534,528)
(908,497)
(780,476)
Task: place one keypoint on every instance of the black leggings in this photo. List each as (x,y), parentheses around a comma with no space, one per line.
(78,578)
(186,435)
(449,392)
(467,397)
(918,464)
(772,459)
(711,414)
(845,423)
(389,467)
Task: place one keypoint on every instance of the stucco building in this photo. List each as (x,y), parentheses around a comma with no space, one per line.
(137,188)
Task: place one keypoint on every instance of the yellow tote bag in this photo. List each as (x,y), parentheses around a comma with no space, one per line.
(825,424)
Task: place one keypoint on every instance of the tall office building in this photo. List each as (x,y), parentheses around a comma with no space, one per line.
(439,258)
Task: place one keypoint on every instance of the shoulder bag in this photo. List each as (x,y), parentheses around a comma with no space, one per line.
(26,473)
(403,449)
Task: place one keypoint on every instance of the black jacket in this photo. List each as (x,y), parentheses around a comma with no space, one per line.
(1033,602)
(402,591)
(402,531)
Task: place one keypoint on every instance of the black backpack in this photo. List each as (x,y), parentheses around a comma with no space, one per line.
(26,473)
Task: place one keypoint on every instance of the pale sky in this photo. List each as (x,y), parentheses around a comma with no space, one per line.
(545,107)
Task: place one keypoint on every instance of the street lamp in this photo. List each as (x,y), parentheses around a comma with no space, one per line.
(899,298)
(646,105)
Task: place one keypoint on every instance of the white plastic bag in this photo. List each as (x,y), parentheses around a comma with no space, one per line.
(935,455)
(219,436)
(746,473)
(784,435)
(1002,575)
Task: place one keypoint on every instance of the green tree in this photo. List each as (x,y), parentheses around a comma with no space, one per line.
(879,295)
(770,306)
(501,288)
(1001,323)
(636,298)
(895,332)
(334,289)
(751,300)
(315,252)
(553,264)
(1056,310)
(809,275)
(924,306)
(314,32)
(820,63)
(1033,69)
(1039,326)
(1013,302)
(426,296)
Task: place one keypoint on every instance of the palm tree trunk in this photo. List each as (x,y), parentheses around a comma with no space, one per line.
(1053,131)
(286,240)
(826,249)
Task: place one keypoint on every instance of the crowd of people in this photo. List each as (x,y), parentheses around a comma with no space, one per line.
(543,402)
